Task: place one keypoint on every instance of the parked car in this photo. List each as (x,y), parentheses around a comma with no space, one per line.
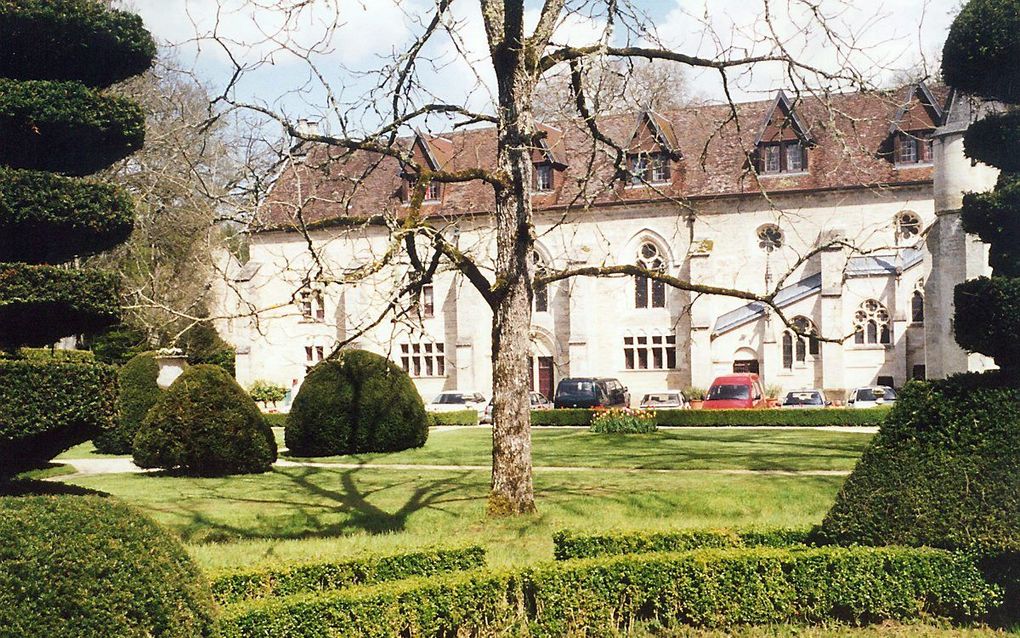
(735,392)
(805,399)
(590,392)
(538,402)
(871,396)
(665,400)
(458,400)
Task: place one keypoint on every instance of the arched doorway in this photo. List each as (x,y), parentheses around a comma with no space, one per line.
(543,365)
(746,360)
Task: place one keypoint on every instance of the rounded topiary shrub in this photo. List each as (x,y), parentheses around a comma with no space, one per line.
(74,566)
(205,424)
(360,402)
(138,393)
(944,470)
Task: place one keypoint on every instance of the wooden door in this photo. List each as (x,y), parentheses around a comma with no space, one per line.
(545,377)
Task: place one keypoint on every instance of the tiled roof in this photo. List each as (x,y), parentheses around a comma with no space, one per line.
(750,312)
(328,184)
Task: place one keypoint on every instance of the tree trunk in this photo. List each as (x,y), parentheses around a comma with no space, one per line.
(512,489)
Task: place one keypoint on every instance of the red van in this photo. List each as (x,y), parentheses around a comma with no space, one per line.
(735,392)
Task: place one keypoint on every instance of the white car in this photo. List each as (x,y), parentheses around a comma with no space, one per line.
(665,400)
(871,396)
(538,402)
(456,400)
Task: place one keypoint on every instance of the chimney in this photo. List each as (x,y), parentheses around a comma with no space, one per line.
(307,127)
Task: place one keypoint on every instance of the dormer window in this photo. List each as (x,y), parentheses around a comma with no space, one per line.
(433,191)
(783,157)
(913,147)
(651,168)
(543,178)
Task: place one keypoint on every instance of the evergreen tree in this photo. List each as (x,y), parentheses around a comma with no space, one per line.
(57,127)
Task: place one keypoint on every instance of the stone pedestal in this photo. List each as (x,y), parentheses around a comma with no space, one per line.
(171,365)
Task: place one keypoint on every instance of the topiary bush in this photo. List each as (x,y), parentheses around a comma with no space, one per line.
(982,48)
(944,470)
(205,424)
(74,566)
(359,402)
(49,403)
(138,393)
(55,56)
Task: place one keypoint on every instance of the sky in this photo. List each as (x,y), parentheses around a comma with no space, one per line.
(350,38)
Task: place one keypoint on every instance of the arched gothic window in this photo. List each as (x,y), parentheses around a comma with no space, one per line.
(649,293)
(917,303)
(908,227)
(797,346)
(871,324)
(541,298)
(770,238)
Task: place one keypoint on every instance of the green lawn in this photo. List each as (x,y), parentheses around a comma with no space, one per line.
(674,449)
(310,513)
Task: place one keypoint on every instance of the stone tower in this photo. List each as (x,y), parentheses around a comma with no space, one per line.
(955,255)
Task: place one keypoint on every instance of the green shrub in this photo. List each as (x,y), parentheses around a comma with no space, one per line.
(72,39)
(138,393)
(205,425)
(561,417)
(623,421)
(268,582)
(65,127)
(50,219)
(49,404)
(118,344)
(203,344)
(568,544)
(360,402)
(458,417)
(992,216)
(73,566)
(991,138)
(599,597)
(992,307)
(694,393)
(275,419)
(944,470)
(266,393)
(39,303)
(982,48)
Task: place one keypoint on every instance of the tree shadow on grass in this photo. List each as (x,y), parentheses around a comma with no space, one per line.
(317,508)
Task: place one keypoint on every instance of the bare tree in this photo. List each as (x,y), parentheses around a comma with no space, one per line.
(370,131)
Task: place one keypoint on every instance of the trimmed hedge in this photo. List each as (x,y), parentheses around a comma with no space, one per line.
(992,138)
(599,597)
(65,127)
(73,566)
(734,418)
(943,471)
(46,218)
(570,544)
(359,402)
(268,582)
(205,425)
(982,48)
(48,406)
(992,308)
(41,304)
(460,417)
(138,393)
(72,40)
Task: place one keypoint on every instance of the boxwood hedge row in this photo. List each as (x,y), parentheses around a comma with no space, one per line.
(458,417)
(267,582)
(714,418)
(65,127)
(572,544)
(72,39)
(600,597)
(38,303)
(49,219)
(47,406)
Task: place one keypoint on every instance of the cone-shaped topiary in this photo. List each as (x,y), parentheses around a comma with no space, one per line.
(205,425)
(55,57)
(73,566)
(982,48)
(138,393)
(943,471)
(360,402)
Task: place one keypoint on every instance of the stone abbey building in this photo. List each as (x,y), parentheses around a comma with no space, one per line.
(846,207)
